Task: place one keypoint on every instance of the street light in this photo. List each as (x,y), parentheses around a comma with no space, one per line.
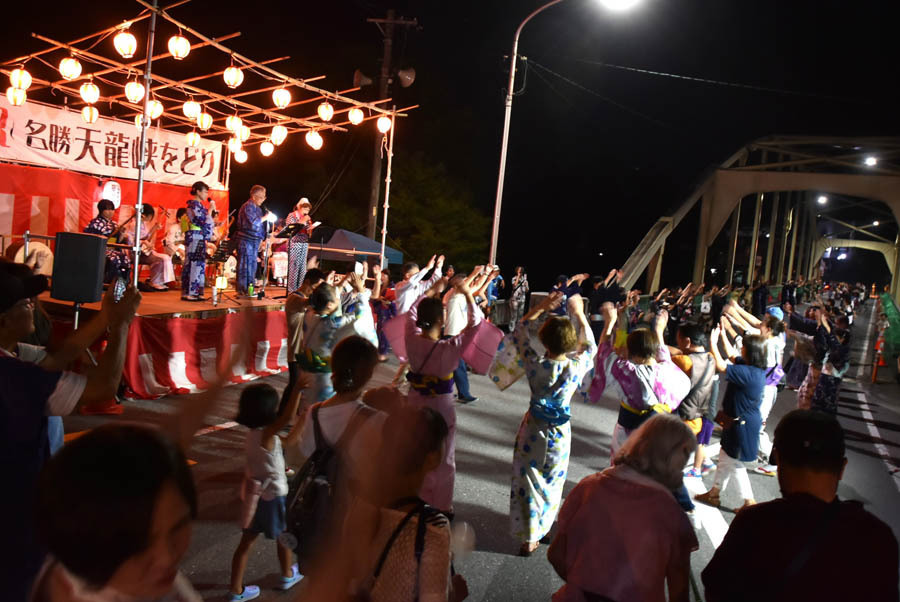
(871,161)
(822,199)
(613,5)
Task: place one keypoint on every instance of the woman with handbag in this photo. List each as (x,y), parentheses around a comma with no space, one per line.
(739,417)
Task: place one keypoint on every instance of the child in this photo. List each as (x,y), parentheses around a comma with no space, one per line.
(265,464)
(320,334)
(541,456)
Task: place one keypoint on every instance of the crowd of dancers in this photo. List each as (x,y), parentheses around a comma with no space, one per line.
(355,484)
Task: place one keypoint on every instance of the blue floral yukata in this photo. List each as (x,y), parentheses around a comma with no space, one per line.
(541,455)
(118,261)
(250,233)
(198,229)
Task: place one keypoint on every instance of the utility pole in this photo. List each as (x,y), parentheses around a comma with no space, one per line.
(387,27)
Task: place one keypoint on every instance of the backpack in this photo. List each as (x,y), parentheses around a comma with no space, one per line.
(313,504)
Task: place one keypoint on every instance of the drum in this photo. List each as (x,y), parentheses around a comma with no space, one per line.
(40,257)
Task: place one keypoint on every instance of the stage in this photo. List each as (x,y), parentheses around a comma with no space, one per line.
(175,346)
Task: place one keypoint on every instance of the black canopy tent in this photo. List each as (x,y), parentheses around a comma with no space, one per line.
(342,245)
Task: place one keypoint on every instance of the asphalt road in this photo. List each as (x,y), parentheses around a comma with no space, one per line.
(486,432)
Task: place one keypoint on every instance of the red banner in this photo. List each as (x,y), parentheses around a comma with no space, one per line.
(183,355)
(47,201)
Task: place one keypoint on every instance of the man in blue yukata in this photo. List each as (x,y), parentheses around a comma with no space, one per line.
(250,233)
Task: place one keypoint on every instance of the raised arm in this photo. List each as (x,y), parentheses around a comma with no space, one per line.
(714,349)
(608,310)
(376,289)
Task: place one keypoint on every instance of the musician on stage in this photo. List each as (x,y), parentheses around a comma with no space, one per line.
(173,243)
(118,261)
(161,270)
(251,231)
(299,244)
(198,229)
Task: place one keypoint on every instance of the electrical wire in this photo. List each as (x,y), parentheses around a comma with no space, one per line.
(606,99)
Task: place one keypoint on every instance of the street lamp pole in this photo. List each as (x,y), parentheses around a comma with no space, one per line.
(509,99)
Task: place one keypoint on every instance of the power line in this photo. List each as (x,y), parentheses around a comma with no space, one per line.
(716,82)
(605,98)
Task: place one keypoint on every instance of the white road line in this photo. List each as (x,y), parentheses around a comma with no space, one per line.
(867,415)
(711,518)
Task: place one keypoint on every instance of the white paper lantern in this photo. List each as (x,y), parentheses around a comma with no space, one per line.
(356,116)
(16,96)
(134,91)
(279,134)
(281,97)
(155,108)
(384,124)
(90,93)
(204,121)
(240,155)
(125,44)
(179,46)
(138,121)
(70,68)
(266,148)
(20,78)
(192,138)
(233,77)
(234,144)
(233,123)
(90,114)
(191,109)
(325,111)
(314,139)
(243,133)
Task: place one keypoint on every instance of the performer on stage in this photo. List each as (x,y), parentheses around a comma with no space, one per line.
(173,243)
(161,270)
(198,229)
(299,244)
(118,261)
(250,233)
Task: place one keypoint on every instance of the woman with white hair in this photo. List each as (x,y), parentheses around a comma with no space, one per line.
(299,243)
(622,536)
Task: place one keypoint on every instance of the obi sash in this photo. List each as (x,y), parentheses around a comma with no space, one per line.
(431,386)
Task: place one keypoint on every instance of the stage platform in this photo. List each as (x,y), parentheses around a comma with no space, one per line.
(176,346)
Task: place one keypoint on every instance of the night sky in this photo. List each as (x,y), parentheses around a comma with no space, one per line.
(590,167)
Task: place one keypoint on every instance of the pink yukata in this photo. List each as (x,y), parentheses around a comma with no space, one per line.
(431,365)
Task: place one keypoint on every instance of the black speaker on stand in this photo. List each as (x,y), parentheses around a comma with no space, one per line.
(79,261)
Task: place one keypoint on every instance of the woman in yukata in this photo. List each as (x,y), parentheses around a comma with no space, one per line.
(320,334)
(432,361)
(646,381)
(541,455)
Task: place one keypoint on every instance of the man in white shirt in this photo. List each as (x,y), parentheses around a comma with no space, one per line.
(457,312)
(412,287)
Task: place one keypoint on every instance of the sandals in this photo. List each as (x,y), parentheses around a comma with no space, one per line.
(528,548)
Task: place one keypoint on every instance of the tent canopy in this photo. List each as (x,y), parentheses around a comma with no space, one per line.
(336,238)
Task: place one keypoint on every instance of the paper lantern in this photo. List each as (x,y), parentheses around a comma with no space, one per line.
(134,91)
(155,109)
(266,148)
(204,121)
(90,114)
(281,97)
(191,109)
(192,138)
(234,144)
(325,111)
(70,68)
(233,123)
(139,120)
(356,115)
(314,139)
(90,93)
(233,77)
(384,124)
(125,44)
(279,134)
(179,46)
(20,78)
(16,96)
(243,133)
(240,155)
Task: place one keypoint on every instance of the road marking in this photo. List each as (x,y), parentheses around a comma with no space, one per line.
(866,412)
(710,517)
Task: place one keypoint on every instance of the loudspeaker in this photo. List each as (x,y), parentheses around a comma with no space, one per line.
(78,267)
(360,79)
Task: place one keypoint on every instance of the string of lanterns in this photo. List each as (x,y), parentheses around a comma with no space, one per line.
(125,43)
